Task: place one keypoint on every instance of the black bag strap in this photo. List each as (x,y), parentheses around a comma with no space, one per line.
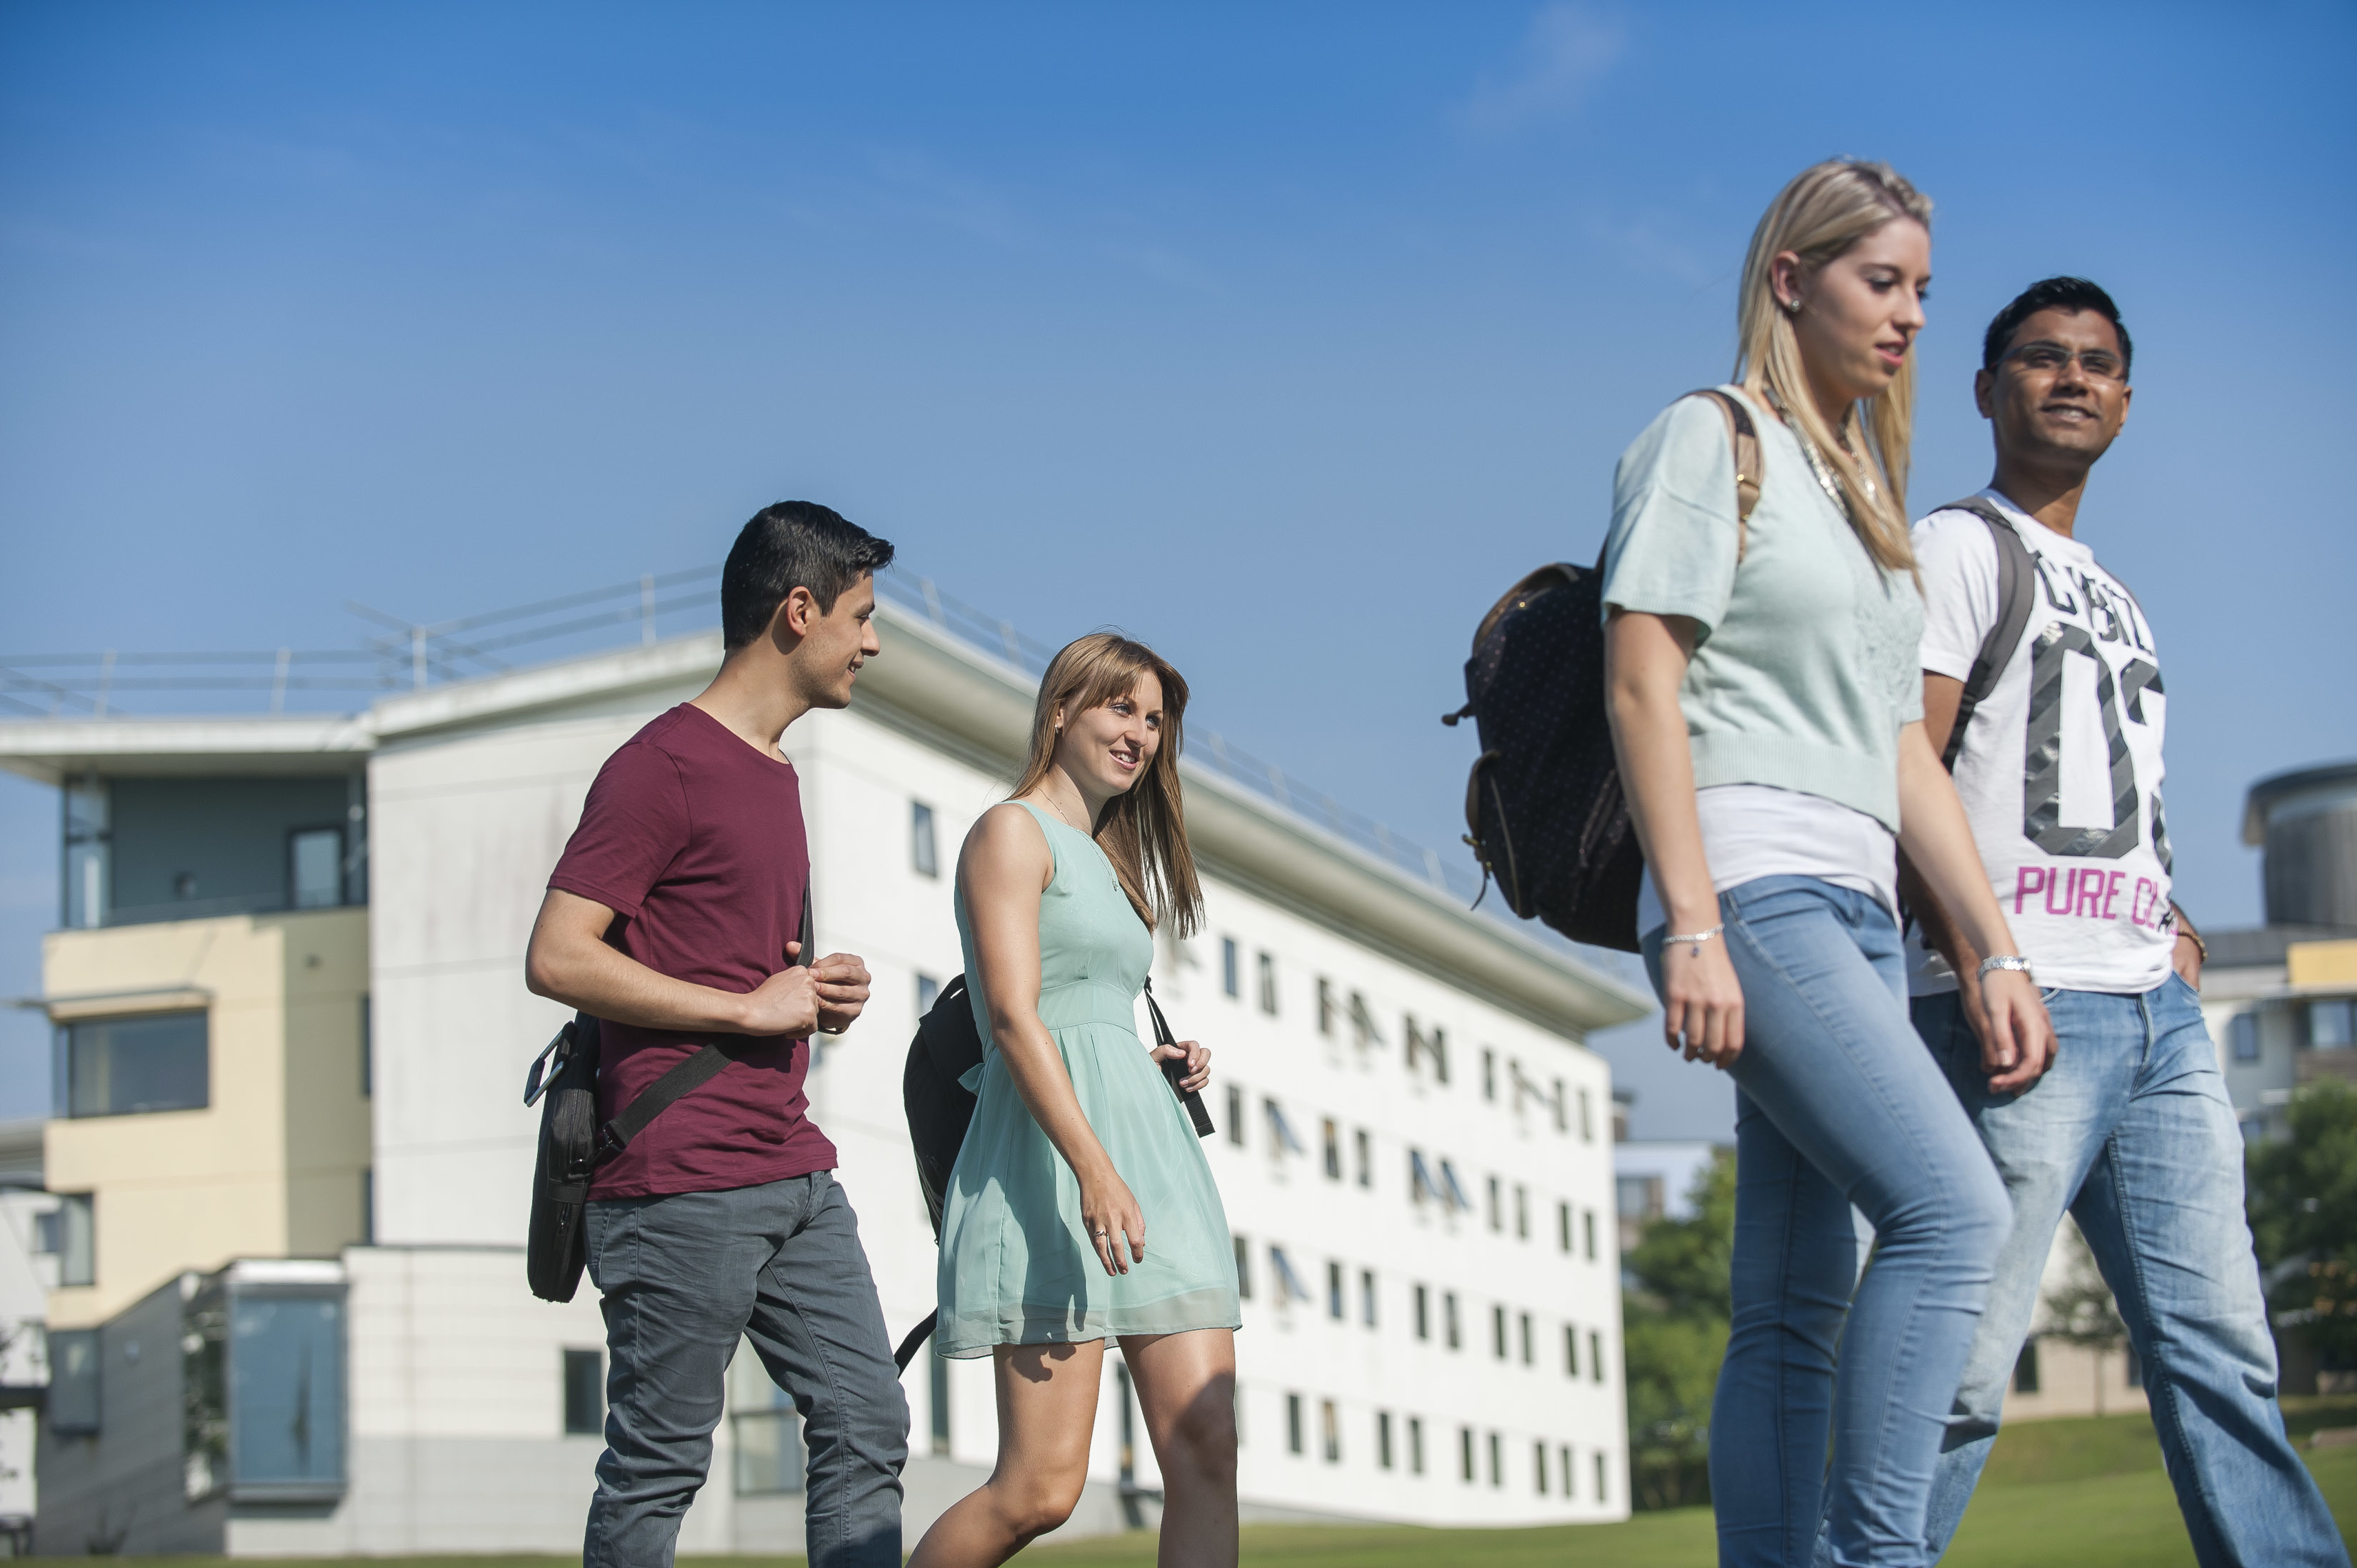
(689,1075)
(2015,600)
(1174,1070)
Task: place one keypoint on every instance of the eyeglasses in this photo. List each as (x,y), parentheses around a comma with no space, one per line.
(2052,359)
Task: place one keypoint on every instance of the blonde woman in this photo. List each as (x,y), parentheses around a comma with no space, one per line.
(1078,1147)
(1767,710)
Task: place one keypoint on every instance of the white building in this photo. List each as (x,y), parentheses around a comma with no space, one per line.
(1414,1143)
(29,1245)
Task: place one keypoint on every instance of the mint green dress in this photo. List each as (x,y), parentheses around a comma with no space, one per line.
(1016,1266)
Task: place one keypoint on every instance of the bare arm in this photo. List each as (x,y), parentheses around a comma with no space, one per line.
(569,960)
(2017,1040)
(1002,871)
(1645,659)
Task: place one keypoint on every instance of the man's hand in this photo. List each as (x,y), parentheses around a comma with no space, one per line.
(786,1004)
(2017,1038)
(841,980)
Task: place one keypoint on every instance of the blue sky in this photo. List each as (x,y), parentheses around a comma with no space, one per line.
(1281,337)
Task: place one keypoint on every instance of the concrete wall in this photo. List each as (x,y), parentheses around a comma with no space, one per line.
(273,1165)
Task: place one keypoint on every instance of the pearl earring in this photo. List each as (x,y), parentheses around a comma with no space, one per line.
(1793,307)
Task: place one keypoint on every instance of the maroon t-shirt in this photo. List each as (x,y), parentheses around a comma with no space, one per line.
(695,839)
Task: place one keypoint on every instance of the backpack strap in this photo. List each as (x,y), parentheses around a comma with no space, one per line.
(687,1076)
(2014,603)
(1745,437)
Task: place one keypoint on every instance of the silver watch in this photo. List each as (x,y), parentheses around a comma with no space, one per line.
(2013,962)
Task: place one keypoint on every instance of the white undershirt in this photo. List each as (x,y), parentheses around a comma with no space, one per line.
(1751,830)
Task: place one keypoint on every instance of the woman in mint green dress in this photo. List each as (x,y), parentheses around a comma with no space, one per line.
(1081,1208)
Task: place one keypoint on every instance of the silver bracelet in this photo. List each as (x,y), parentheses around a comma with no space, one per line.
(2013,962)
(1696,937)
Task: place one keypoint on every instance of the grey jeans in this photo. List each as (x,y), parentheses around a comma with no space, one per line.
(684,1276)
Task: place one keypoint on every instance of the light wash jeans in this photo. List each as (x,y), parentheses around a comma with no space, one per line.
(2132,1130)
(1837,1104)
(683,1275)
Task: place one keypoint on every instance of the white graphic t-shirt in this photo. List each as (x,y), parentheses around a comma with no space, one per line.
(2061,769)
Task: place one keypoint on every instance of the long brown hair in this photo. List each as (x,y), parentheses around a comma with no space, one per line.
(1825,209)
(1143,831)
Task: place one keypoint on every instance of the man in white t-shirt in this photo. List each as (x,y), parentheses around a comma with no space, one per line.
(2131,1129)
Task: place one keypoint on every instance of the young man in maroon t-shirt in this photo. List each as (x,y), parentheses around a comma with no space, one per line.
(674,918)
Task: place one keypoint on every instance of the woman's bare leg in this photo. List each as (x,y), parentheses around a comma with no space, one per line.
(1047,1410)
(1186,1390)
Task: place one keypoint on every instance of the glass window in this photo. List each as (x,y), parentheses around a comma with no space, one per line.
(1367,1296)
(315,867)
(1596,1360)
(928,991)
(73,1381)
(1423,1312)
(1465,1453)
(1566,1469)
(2243,1031)
(118,1067)
(1382,1440)
(2331,1026)
(584,1392)
(1530,1354)
(1497,1210)
(2025,1368)
(1538,1466)
(1521,1211)
(368,1050)
(1602,1495)
(1236,1114)
(1333,1149)
(1325,1005)
(1497,1332)
(1334,1291)
(286,1392)
(1448,1318)
(1229,981)
(86,872)
(1244,1268)
(1331,1428)
(1570,1351)
(1366,1150)
(1586,1115)
(1497,1461)
(768,1452)
(1563,1225)
(923,857)
(1415,1445)
(1293,1423)
(74,1234)
(1268,983)
(1587,1222)
(1489,1073)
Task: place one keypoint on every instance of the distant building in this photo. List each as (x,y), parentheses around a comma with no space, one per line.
(292,1166)
(31,1250)
(1655,1181)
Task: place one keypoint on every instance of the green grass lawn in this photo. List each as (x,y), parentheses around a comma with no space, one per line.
(2057,1494)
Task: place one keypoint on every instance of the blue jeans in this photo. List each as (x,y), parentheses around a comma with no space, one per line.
(2132,1130)
(1837,1105)
(683,1275)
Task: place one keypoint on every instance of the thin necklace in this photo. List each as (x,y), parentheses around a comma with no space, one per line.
(1817,460)
(1063,818)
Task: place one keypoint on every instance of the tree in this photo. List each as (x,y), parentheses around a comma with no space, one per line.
(1675,1311)
(2303,1206)
(2080,1310)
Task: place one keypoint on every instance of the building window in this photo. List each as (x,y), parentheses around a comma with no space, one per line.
(929,991)
(1530,1355)
(1497,1210)
(73,1406)
(2025,1368)
(122,1067)
(315,868)
(1570,1351)
(1293,1424)
(88,868)
(1382,1440)
(1415,1445)
(1365,1148)
(1333,1150)
(1595,1356)
(584,1392)
(1229,981)
(1563,1225)
(1523,1212)
(1449,1322)
(368,1205)
(940,1401)
(1465,1453)
(1587,1113)
(1243,1269)
(1267,964)
(1334,1291)
(770,1460)
(1331,1426)
(1489,1073)
(1496,1460)
(924,856)
(1563,1469)
(1602,1494)
(1538,1467)
(267,1419)
(1423,1312)
(1326,1008)
(1289,1285)
(368,1050)
(2332,1024)
(1367,1297)
(72,1232)
(2244,1030)
(1435,1045)
(1587,1222)
(1497,1332)
(1363,1032)
(1556,1104)
(1281,1136)
(1236,1115)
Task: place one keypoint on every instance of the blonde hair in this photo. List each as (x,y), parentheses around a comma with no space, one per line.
(1143,831)
(1827,208)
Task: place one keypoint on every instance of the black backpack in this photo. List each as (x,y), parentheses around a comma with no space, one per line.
(948,1046)
(1544,807)
(573,1145)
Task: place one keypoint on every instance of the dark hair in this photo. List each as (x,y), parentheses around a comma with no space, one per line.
(793,544)
(2053,293)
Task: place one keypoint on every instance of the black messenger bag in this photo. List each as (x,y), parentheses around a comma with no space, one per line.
(564,1082)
